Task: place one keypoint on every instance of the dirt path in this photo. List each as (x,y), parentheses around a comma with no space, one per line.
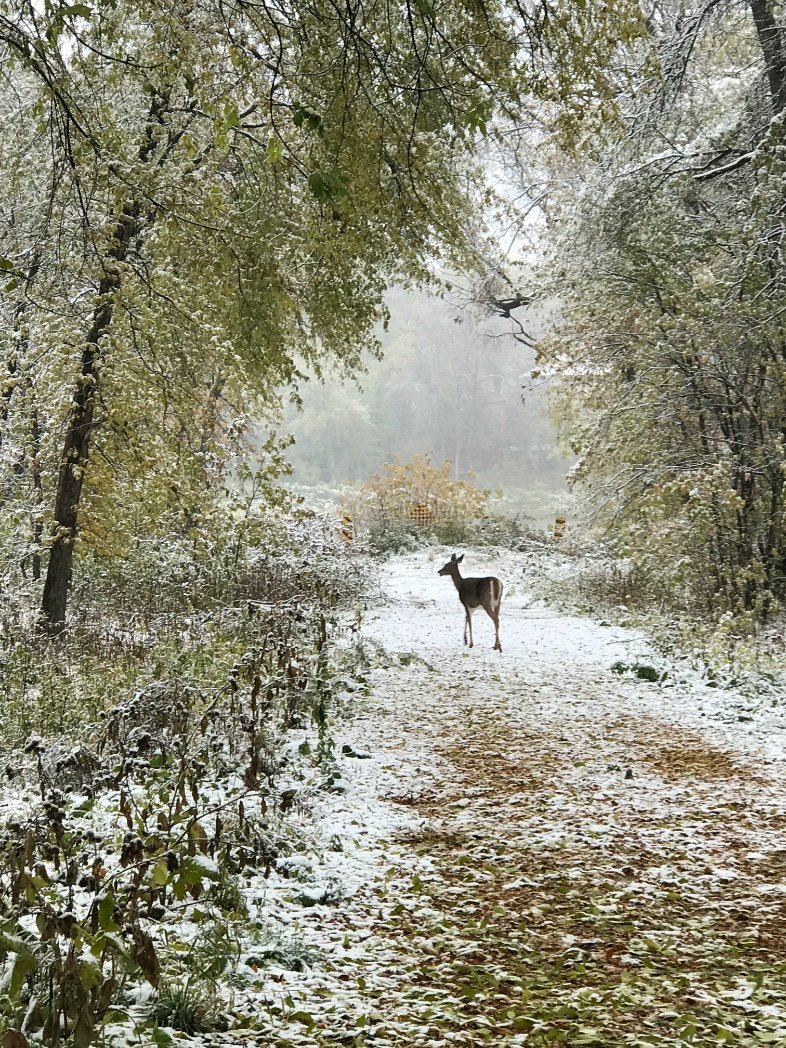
(564,855)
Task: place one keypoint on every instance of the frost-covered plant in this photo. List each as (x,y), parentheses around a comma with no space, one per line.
(409,501)
(191,756)
(190,1006)
(281,950)
(670,351)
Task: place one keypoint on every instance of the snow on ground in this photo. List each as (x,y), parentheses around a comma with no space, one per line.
(529,849)
(540,639)
(539,850)
(421,613)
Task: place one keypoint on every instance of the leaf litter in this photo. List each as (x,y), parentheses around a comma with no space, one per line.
(589,858)
(528,848)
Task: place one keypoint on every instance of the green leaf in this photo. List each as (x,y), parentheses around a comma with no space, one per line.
(327,185)
(24,964)
(114,941)
(114,1015)
(231,115)
(194,869)
(106,908)
(160,874)
(478,114)
(307,119)
(303,1017)
(90,971)
(275,150)
(13,943)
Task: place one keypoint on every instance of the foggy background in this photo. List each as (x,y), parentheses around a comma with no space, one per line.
(449,386)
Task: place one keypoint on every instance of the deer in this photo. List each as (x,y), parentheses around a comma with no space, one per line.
(483,593)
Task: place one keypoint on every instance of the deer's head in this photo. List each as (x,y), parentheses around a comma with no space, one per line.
(451,565)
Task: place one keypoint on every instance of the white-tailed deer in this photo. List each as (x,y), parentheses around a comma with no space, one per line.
(483,593)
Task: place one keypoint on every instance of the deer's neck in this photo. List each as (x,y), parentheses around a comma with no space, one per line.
(457,578)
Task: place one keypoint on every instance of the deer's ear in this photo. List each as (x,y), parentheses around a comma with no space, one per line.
(458,560)
(453,558)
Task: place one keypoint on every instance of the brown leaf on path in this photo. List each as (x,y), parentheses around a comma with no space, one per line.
(144,953)
(13,1039)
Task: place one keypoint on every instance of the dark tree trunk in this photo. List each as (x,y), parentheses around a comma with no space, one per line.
(38,485)
(8,392)
(76,446)
(773,48)
(72,465)
(17,358)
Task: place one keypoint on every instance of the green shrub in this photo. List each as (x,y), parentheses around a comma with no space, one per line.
(394,536)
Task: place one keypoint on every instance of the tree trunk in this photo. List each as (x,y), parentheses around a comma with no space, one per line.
(774,50)
(76,446)
(38,486)
(17,358)
(8,391)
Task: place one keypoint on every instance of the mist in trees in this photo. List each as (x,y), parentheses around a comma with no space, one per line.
(195,195)
(201,205)
(452,384)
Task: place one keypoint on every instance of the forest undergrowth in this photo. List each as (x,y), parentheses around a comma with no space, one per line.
(163,750)
(737,650)
(177,868)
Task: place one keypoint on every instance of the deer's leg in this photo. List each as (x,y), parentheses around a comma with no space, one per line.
(493,612)
(468,625)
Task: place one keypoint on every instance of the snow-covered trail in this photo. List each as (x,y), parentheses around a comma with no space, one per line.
(542,851)
(595,858)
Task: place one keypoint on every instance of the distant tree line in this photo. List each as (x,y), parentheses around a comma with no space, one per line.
(452,385)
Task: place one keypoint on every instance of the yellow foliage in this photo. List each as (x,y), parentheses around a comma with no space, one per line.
(420,492)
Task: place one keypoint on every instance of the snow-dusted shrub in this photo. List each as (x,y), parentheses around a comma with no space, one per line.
(608,582)
(158,764)
(267,560)
(394,536)
(409,503)
(190,1007)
